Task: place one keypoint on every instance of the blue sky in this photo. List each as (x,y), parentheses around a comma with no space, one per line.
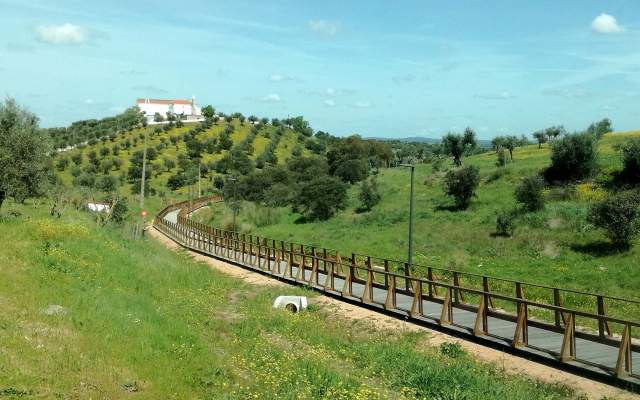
(391,69)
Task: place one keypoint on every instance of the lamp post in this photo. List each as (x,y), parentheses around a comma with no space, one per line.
(233,202)
(410,255)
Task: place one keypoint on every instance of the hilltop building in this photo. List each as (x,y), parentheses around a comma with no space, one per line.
(185,109)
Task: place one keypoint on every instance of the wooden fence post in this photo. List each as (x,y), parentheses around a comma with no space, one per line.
(446,315)
(624,363)
(416,304)
(603,324)
(568,349)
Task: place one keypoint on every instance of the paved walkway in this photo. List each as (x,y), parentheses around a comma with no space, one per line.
(591,357)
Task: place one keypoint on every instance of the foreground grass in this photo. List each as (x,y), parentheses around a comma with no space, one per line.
(90,313)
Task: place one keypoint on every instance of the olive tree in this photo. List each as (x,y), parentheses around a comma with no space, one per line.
(457,146)
(24,159)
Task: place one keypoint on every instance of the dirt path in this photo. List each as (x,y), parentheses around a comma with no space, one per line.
(510,364)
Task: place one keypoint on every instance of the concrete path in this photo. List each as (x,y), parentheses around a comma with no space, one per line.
(591,357)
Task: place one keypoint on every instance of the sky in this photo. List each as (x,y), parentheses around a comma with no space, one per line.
(375,68)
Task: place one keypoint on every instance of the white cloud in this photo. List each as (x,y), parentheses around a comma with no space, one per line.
(329,103)
(362,104)
(569,93)
(496,96)
(62,34)
(279,78)
(324,27)
(88,101)
(328,92)
(271,98)
(605,23)
(338,92)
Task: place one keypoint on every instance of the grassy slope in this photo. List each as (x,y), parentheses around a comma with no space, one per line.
(171,151)
(555,246)
(139,317)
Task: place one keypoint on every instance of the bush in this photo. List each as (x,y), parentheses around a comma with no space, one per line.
(218,182)
(107,183)
(352,171)
(461,184)
(176,181)
(76,158)
(600,128)
(322,197)
(631,161)
(369,195)
(62,163)
(573,158)
(529,193)
(504,223)
(502,158)
(119,211)
(618,216)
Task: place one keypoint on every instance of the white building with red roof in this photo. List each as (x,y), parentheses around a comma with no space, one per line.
(185,109)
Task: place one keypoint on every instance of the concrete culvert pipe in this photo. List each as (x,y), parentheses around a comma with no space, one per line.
(291,307)
(293,304)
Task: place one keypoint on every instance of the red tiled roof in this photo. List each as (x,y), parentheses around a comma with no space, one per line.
(163,101)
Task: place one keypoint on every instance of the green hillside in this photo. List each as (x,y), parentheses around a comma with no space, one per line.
(169,142)
(554,246)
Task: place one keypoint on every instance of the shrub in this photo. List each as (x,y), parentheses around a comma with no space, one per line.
(352,171)
(369,195)
(322,197)
(107,183)
(573,157)
(618,216)
(529,193)
(176,181)
(119,211)
(62,163)
(218,182)
(631,161)
(502,158)
(600,128)
(76,171)
(504,223)
(76,158)
(461,184)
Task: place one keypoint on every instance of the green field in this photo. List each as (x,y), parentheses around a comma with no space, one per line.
(555,246)
(87,312)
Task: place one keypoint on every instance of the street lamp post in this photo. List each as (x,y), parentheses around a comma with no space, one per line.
(410,255)
(233,203)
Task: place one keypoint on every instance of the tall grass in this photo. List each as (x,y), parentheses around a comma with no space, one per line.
(89,313)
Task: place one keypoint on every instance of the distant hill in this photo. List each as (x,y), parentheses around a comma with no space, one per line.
(420,139)
(114,160)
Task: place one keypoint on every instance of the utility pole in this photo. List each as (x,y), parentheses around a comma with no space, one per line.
(410,255)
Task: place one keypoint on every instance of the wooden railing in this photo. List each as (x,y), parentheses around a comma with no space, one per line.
(579,319)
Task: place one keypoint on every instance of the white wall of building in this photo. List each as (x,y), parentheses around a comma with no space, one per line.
(149,108)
